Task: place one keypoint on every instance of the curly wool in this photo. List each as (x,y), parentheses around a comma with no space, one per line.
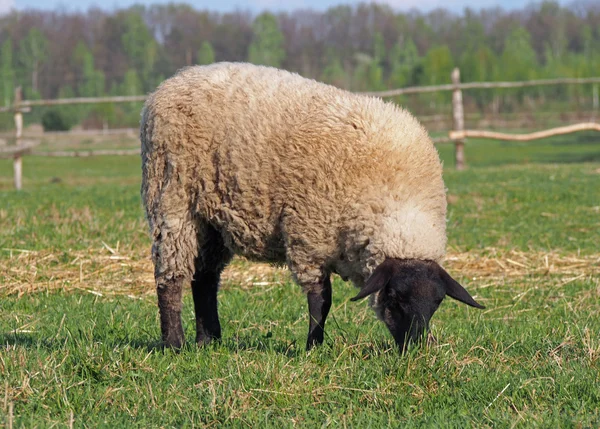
(286,169)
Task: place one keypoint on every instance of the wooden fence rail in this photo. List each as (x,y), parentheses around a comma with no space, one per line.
(86,153)
(29,149)
(388,93)
(586,126)
(13,151)
(85,100)
(481,85)
(457,135)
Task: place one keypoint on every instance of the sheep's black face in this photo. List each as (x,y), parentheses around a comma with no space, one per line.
(406,294)
(407,303)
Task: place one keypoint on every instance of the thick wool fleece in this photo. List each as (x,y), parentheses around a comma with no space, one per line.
(286,169)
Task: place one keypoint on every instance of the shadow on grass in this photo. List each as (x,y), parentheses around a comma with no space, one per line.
(569,158)
(237,344)
(55,343)
(233,345)
(24,340)
(582,148)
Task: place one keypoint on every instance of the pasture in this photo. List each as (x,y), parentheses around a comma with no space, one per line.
(79,321)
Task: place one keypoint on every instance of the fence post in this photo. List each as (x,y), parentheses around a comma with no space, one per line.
(18,159)
(459,120)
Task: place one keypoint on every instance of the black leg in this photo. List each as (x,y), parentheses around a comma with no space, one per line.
(169,304)
(204,289)
(211,260)
(319,304)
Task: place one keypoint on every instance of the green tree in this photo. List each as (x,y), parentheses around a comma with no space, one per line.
(437,65)
(404,64)
(92,80)
(126,113)
(141,48)
(32,54)
(472,33)
(334,72)
(375,76)
(206,54)
(518,60)
(131,83)
(267,42)
(7,72)
(591,55)
(368,74)
(479,65)
(378,47)
(67,115)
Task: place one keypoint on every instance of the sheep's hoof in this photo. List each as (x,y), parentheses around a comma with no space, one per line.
(175,344)
(312,343)
(174,338)
(204,340)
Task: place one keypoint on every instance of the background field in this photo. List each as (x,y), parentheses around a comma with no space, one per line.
(78,319)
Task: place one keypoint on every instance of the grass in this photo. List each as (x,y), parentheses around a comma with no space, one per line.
(78,317)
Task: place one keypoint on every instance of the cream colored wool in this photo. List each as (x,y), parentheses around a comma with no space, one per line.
(287,170)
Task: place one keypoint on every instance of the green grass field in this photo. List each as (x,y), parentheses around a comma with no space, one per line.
(79,321)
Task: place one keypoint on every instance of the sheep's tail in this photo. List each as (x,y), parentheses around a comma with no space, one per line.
(153,170)
(173,231)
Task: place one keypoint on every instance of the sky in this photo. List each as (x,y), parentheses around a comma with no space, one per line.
(260,5)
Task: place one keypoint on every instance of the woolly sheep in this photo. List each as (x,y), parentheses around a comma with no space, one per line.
(260,162)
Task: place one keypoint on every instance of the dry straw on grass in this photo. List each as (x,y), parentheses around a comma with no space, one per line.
(107,271)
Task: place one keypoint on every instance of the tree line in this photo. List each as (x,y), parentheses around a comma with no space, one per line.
(367,47)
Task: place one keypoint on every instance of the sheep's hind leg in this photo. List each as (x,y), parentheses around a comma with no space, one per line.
(319,303)
(212,258)
(169,304)
(173,253)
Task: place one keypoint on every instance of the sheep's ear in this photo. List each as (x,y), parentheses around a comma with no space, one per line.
(456,291)
(380,277)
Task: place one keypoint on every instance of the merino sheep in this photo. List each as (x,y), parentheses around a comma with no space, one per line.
(260,162)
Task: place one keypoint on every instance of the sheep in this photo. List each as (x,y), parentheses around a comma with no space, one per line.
(263,163)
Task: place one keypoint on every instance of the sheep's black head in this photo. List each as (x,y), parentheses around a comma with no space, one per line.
(408,292)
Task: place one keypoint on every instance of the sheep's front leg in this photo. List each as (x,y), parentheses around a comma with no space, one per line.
(169,305)
(319,303)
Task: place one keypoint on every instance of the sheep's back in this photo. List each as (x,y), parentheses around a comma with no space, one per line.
(248,143)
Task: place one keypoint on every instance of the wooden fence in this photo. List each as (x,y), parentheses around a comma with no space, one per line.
(457,135)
